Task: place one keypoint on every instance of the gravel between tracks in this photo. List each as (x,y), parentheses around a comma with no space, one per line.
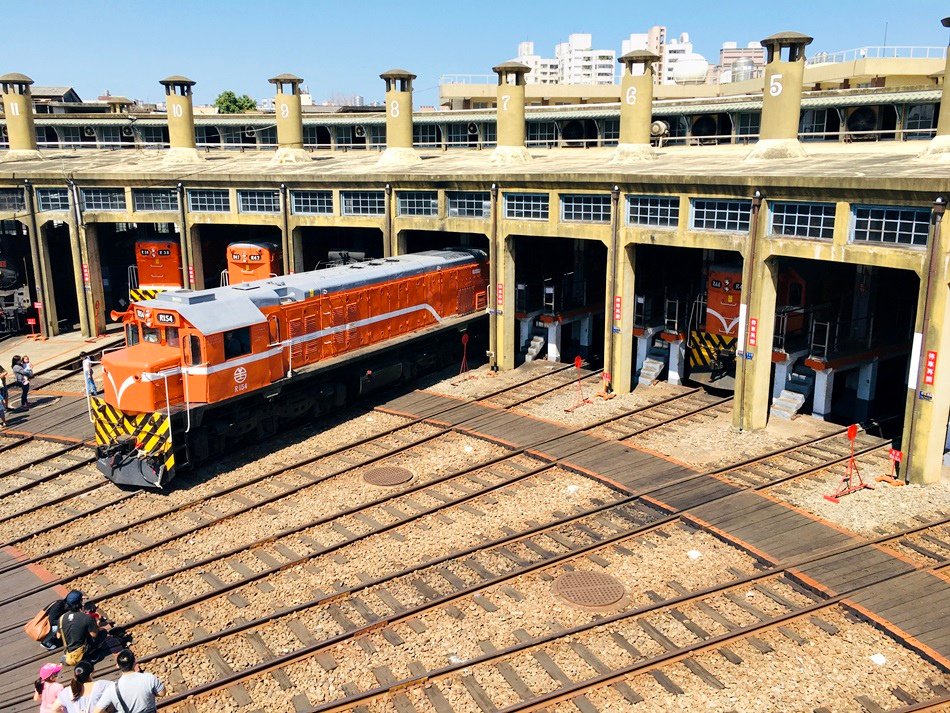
(482,381)
(300,444)
(715,443)
(447,453)
(883,510)
(553,407)
(827,672)
(26,453)
(410,544)
(497,616)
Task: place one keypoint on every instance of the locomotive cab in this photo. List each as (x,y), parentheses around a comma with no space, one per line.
(248,262)
(157,268)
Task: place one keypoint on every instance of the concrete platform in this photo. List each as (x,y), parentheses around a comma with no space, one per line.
(46,353)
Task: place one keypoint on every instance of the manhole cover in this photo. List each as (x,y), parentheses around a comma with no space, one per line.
(387,475)
(589,589)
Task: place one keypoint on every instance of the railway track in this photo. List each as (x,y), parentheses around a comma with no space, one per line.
(241,497)
(363,601)
(774,594)
(523,556)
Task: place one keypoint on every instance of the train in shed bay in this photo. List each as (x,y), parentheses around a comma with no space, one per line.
(202,371)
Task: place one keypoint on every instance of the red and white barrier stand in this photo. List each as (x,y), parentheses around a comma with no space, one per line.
(34,335)
(847,485)
(891,478)
(581,399)
(606,390)
(32,321)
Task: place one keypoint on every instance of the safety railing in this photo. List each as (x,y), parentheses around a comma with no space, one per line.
(877,52)
(472,143)
(839,336)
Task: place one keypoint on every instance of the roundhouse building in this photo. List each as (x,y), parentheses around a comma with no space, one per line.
(789,245)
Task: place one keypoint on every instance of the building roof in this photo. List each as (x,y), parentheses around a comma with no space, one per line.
(397,74)
(512,67)
(176,79)
(638,56)
(285,78)
(15,78)
(787,38)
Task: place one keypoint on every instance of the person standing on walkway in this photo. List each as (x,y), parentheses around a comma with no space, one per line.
(3,383)
(91,388)
(22,371)
(135,691)
(83,693)
(47,689)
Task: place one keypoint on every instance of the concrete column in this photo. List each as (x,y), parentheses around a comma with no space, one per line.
(940,144)
(554,341)
(193,240)
(583,335)
(510,121)
(399,149)
(297,240)
(676,371)
(525,327)
(505,346)
(18,114)
(636,106)
(928,407)
(92,299)
(289,118)
(388,238)
(751,410)
(181,120)
(49,304)
(782,370)
(782,97)
(867,388)
(824,386)
(622,371)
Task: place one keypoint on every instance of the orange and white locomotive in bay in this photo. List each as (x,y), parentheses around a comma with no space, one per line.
(202,370)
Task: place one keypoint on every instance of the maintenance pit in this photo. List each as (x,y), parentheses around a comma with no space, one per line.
(842,343)
(559,298)
(686,315)
(212,241)
(317,247)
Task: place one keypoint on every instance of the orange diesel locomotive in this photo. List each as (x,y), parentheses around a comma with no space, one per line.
(201,370)
(253,261)
(157,268)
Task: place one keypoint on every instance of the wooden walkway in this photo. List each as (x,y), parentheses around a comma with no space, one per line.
(22,657)
(61,418)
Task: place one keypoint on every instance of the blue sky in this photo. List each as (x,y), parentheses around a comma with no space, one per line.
(342,46)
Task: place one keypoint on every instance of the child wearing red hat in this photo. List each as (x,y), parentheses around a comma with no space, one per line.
(47,689)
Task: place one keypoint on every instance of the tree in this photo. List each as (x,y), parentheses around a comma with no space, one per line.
(229,103)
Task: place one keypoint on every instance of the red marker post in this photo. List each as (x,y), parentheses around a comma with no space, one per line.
(581,400)
(847,486)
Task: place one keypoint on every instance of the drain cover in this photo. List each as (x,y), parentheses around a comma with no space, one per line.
(589,589)
(387,475)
